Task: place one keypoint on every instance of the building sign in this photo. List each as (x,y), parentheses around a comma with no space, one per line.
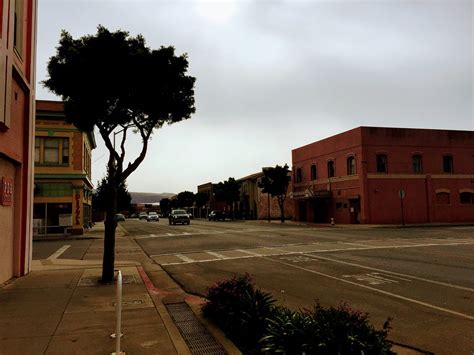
(6,192)
(311,194)
(77,212)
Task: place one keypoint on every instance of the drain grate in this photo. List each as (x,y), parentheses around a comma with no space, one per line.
(197,337)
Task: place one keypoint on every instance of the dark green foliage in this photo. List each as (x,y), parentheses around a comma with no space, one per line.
(165,206)
(275,182)
(115,83)
(250,318)
(100,197)
(228,191)
(201,199)
(325,331)
(185,199)
(240,310)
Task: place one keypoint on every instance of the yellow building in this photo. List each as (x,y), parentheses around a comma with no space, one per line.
(63,186)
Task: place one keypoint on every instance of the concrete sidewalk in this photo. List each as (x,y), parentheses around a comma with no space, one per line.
(61,308)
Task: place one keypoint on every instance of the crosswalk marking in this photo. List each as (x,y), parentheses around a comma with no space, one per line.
(184,258)
(220,256)
(280,250)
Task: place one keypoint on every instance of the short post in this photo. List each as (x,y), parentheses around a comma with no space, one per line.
(401,194)
(118,315)
(332,222)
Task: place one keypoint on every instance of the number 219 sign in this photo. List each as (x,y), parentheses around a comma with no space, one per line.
(6,192)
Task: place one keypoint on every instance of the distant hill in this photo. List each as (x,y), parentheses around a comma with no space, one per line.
(149,197)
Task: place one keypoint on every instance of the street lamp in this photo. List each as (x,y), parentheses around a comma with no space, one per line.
(115,133)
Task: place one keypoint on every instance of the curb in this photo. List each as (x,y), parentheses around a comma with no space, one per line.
(194,303)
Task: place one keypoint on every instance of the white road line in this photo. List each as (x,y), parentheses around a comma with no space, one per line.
(170,234)
(277,249)
(185,258)
(58,252)
(220,256)
(248,252)
(459,314)
(358,244)
(390,272)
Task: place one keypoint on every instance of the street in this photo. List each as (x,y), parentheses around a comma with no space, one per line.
(420,277)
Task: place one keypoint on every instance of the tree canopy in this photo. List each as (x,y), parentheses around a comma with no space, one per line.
(275,182)
(113,81)
(100,196)
(185,199)
(201,199)
(228,191)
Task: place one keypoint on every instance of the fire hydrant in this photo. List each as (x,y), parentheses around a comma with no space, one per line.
(332,222)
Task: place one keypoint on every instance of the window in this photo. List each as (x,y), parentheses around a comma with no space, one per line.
(18,27)
(51,151)
(443,198)
(331,170)
(417,164)
(448,164)
(466,198)
(37,149)
(314,174)
(351,166)
(299,178)
(382,163)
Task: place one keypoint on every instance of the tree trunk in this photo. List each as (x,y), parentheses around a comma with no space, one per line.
(108,261)
(281,204)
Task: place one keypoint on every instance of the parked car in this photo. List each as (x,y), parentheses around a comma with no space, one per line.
(216,216)
(179,216)
(120,217)
(142,215)
(133,215)
(152,216)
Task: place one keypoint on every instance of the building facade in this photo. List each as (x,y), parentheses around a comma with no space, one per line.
(63,186)
(17,92)
(386,176)
(211,204)
(255,204)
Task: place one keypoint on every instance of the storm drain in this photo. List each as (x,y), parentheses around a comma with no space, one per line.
(197,337)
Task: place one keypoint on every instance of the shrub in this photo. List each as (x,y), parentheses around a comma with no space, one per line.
(240,310)
(326,331)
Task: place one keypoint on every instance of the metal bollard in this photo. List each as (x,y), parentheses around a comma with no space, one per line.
(332,222)
(118,316)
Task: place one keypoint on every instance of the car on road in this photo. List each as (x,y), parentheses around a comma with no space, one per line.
(152,216)
(120,217)
(179,216)
(142,215)
(216,216)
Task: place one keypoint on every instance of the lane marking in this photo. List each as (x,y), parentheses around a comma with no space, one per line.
(248,252)
(58,252)
(220,256)
(390,272)
(185,258)
(459,314)
(170,234)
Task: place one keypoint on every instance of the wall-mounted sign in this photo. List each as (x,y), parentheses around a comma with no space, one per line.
(6,192)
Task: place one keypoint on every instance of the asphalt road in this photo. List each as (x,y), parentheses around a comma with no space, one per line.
(423,278)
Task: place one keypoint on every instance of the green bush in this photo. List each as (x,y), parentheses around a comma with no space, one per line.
(240,310)
(249,317)
(325,331)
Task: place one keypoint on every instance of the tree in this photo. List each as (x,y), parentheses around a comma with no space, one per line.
(100,196)
(185,199)
(228,191)
(275,182)
(112,81)
(165,206)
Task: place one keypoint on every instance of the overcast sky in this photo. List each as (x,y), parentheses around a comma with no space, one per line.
(275,75)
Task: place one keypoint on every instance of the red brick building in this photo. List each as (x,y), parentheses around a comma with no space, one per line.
(17,91)
(358,177)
